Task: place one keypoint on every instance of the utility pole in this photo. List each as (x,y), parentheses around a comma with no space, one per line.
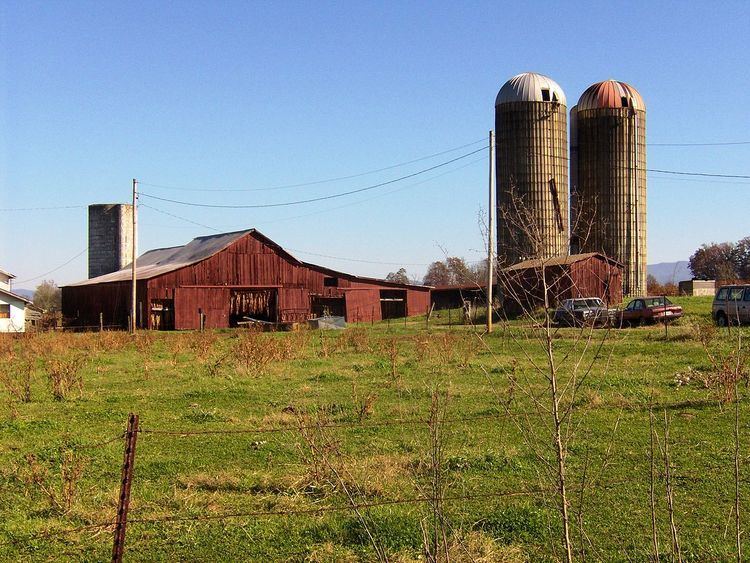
(133,320)
(491,233)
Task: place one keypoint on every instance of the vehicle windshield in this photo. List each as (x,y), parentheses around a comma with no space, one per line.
(657,301)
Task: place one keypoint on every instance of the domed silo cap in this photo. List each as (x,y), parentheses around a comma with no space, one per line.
(611,94)
(530,87)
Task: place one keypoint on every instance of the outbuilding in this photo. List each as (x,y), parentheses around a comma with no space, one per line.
(522,286)
(226,279)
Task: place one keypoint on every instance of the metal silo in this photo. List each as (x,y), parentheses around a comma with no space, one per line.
(608,171)
(532,169)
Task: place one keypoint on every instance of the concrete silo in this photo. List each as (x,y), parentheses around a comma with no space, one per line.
(608,178)
(110,237)
(532,169)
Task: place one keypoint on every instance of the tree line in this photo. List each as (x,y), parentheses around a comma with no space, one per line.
(451,271)
(726,261)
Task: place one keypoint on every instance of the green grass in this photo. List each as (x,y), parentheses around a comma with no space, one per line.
(192,382)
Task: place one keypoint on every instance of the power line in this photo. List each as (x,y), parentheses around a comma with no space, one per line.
(55,269)
(724,144)
(315,182)
(321,211)
(312,200)
(43,208)
(702,174)
(178,217)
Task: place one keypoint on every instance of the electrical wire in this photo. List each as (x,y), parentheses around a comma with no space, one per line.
(305,251)
(702,174)
(724,144)
(178,217)
(315,182)
(43,208)
(315,199)
(54,269)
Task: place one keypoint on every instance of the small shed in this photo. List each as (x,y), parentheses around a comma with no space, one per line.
(698,287)
(522,286)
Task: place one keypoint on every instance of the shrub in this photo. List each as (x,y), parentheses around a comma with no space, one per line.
(64,374)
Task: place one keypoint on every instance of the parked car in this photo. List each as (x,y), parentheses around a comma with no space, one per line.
(583,311)
(731,305)
(647,310)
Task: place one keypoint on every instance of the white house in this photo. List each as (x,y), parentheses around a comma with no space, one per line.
(12,306)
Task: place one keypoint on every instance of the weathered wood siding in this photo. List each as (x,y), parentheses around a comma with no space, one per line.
(81,305)
(249,262)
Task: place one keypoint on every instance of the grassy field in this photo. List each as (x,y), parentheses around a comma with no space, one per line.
(310,423)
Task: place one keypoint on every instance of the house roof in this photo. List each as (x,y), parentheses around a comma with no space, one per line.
(558,261)
(164,260)
(4,273)
(12,295)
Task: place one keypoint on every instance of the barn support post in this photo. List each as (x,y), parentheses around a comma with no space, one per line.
(101,322)
(131,436)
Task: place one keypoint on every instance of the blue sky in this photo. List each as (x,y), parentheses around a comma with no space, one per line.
(257,95)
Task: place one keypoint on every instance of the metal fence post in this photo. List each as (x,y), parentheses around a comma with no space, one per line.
(131,436)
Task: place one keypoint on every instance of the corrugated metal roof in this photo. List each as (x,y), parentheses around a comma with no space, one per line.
(527,87)
(611,94)
(164,260)
(557,261)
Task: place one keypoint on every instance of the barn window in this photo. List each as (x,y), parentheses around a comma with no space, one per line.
(545,95)
(330,282)
(4,311)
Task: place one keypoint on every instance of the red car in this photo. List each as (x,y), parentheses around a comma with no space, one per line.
(649,310)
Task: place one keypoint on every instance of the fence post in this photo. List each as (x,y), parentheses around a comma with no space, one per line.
(131,435)
(101,322)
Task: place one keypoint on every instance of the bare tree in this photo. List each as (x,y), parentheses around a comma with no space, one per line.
(532,296)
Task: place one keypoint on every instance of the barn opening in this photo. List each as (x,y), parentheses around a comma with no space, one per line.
(162,314)
(252,304)
(327,306)
(392,303)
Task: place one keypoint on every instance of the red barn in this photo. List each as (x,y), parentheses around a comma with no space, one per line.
(522,286)
(229,277)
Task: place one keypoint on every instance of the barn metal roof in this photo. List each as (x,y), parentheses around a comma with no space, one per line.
(527,87)
(611,94)
(558,261)
(164,260)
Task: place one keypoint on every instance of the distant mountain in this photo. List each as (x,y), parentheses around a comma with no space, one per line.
(27,293)
(666,272)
